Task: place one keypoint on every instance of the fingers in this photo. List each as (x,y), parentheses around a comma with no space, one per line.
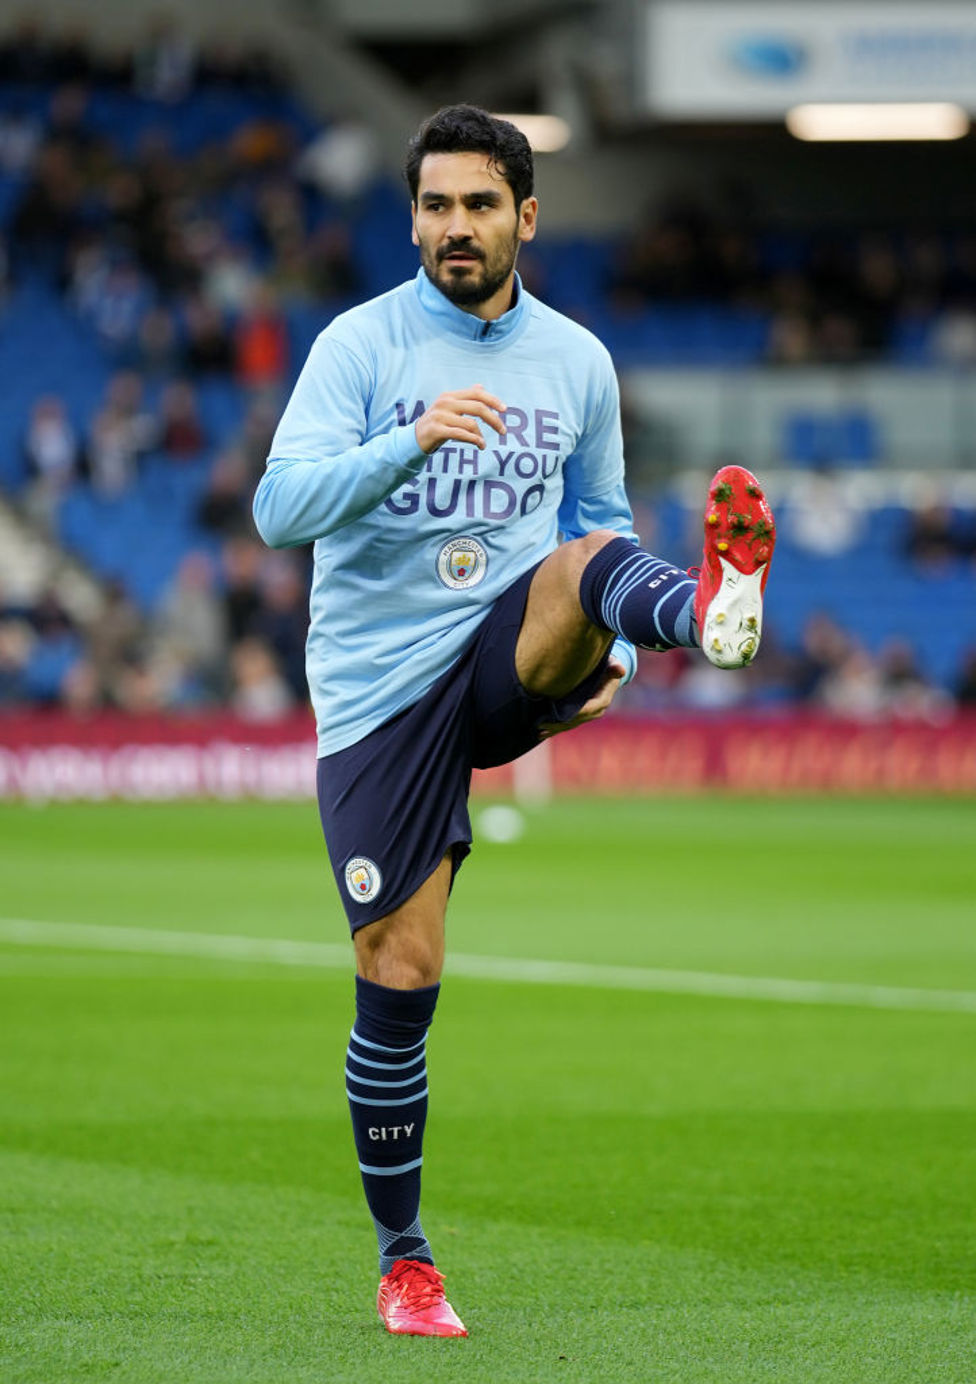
(589,711)
(605,693)
(479,394)
(474,403)
(450,416)
(594,707)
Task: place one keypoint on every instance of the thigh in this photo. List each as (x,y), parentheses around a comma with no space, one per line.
(405,949)
(558,645)
(394,804)
(505,716)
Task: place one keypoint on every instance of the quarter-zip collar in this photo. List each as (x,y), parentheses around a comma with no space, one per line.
(464,324)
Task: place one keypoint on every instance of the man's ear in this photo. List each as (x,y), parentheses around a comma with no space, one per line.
(528,213)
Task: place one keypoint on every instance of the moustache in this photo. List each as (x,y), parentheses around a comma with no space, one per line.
(459,247)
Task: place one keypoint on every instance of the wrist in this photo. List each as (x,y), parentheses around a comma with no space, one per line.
(407,449)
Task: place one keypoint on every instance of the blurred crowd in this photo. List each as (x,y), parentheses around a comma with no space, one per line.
(831,296)
(230,627)
(228,633)
(164,63)
(180,266)
(831,672)
(155,249)
(181,270)
(128,426)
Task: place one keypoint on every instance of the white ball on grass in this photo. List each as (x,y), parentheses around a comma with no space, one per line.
(501,823)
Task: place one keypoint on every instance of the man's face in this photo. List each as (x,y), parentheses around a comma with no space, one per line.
(468,229)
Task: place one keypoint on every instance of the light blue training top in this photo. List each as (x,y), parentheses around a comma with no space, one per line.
(412,549)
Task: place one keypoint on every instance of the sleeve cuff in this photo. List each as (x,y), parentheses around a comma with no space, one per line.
(623,650)
(406,452)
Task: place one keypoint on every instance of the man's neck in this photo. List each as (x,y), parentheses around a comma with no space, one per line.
(497,305)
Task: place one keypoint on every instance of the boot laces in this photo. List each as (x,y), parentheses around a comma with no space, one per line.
(418,1285)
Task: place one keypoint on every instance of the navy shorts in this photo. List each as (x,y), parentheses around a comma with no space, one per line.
(396,802)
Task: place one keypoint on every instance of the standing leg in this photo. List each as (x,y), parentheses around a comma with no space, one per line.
(399,960)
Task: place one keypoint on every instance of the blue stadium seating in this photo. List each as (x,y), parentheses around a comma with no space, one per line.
(847,438)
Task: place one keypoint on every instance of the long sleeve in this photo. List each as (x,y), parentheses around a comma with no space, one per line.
(323,472)
(594,496)
(593,477)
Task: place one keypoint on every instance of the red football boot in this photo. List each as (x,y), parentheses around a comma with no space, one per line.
(411,1302)
(740,534)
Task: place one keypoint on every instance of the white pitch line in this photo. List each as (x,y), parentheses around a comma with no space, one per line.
(333,955)
(214,946)
(714,984)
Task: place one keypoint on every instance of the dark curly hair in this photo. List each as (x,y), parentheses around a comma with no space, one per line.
(470,130)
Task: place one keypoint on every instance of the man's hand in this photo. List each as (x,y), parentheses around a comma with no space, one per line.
(593,709)
(449,418)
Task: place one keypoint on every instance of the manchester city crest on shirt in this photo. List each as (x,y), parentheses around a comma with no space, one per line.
(363,879)
(461,563)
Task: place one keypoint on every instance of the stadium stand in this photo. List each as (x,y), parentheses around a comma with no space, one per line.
(167,259)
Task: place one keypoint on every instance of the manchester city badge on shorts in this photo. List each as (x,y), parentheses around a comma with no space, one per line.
(461,563)
(363,879)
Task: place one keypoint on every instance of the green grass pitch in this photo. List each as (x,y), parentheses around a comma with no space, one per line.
(619,1185)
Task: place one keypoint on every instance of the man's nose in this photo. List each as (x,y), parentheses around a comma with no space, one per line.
(459,223)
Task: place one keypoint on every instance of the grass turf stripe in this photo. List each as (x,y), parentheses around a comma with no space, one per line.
(279,951)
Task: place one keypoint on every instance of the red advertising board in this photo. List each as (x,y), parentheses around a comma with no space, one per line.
(789,754)
(50,757)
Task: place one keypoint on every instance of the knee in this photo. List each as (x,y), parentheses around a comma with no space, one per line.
(577,553)
(399,963)
(592,543)
(401,973)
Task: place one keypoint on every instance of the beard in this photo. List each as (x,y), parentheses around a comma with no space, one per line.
(475,284)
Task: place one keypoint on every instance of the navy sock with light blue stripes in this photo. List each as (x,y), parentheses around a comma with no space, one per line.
(639,596)
(386,1082)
